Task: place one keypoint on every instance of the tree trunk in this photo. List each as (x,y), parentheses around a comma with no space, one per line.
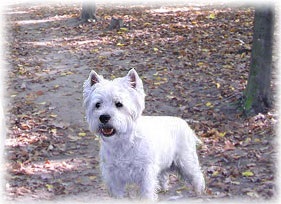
(258,93)
(115,24)
(88,12)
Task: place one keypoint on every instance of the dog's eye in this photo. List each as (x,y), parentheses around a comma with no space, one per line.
(118,105)
(97,105)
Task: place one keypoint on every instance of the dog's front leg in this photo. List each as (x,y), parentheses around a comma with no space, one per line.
(116,188)
(149,183)
(115,185)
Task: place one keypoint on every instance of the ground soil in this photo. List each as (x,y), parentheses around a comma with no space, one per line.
(194,63)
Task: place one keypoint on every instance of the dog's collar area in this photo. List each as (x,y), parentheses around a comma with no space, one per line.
(107,131)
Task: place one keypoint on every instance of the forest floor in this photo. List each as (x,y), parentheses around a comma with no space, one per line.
(194,63)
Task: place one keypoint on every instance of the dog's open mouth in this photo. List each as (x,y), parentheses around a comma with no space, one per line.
(107,131)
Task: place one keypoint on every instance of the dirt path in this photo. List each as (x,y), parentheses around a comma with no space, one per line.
(186,67)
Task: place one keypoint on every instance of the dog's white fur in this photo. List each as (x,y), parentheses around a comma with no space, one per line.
(135,148)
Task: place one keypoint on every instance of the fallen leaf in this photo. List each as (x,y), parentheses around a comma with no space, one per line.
(253,194)
(49,187)
(218,85)
(155,49)
(228,145)
(42,103)
(208,104)
(215,173)
(92,177)
(39,93)
(124,29)
(120,44)
(82,134)
(212,16)
(247,173)
(222,134)
(147,24)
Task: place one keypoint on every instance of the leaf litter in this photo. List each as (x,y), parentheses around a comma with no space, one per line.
(194,62)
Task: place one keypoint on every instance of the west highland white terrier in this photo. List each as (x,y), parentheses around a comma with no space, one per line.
(134,148)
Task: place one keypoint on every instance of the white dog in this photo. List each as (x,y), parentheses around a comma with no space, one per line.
(135,148)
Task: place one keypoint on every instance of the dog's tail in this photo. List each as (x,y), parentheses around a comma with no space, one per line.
(197,140)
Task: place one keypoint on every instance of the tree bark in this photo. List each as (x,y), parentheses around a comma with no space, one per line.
(257,96)
(88,12)
(115,24)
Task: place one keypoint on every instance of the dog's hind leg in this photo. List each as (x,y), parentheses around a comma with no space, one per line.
(189,168)
(164,180)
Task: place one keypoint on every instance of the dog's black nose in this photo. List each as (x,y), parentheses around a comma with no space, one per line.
(104,118)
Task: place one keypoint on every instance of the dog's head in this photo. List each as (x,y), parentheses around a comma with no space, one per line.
(112,107)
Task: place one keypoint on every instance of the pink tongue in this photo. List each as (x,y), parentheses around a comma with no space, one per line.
(107,131)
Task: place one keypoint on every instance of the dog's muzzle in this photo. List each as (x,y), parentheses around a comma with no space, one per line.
(107,130)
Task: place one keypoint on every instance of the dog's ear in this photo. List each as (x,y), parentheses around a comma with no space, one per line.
(94,78)
(134,79)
